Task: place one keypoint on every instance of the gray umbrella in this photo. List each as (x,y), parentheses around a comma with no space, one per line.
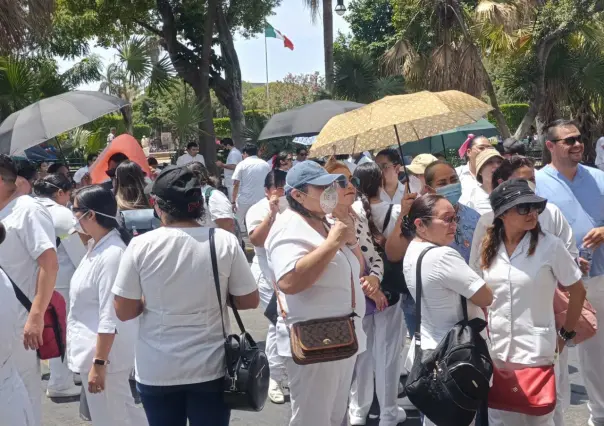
(52,116)
(307,120)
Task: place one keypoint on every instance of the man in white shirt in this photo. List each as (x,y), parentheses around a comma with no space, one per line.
(248,182)
(233,159)
(28,256)
(111,134)
(191,155)
(600,153)
(81,173)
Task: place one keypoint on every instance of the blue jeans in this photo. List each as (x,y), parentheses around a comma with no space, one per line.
(408,307)
(201,403)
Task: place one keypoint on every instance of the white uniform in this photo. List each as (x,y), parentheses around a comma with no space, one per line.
(186,158)
(69,253)
(553,221)
(468,182)
(251,174)
(218,206)
(233,158)
(398,195)
(319,392)
(528,336)
(92,312)
(478,200)
(15,406)
(385,331)
(265,280)
(29,233)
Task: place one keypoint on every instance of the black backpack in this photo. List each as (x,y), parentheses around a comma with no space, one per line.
(450,383)
(393,282)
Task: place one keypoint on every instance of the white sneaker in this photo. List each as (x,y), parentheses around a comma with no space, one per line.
(275,392)
(357,421)
(401,415)
(70,392)
(405,403)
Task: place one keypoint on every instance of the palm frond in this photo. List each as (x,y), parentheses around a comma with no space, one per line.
(20,19)
(17,82)
(313,6)
(161,78)
(184,119)
(135,57)
(394,58)
(85,71)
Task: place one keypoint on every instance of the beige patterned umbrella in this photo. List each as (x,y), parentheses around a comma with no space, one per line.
(397,119)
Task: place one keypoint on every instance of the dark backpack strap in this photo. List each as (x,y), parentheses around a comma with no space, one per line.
(217,285)
(23,299)
(58,242)
(208,194)
(387,219)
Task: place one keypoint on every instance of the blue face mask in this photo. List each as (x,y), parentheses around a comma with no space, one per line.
(451,192)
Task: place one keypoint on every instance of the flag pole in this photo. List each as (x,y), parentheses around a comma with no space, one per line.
(268,99)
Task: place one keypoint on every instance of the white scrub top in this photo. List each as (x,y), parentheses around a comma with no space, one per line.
(289,240)
(398,195)
(468,182)
(233,158)
(217,206)
(180,339)
(254,217)
(521,319)
(91,309)
(478,200)
(251,174)
(186,158)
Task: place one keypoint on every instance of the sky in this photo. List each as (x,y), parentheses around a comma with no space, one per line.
(292,18)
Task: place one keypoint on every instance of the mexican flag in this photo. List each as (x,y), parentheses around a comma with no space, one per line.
(270,32)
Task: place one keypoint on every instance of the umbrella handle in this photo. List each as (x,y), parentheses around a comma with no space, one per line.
(400,147)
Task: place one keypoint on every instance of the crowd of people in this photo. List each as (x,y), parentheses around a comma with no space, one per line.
(133,259)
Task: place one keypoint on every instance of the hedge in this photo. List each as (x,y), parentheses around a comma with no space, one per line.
(513,113)
(141,130)
(222,126)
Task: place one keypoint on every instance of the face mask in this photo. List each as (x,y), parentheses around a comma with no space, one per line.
(283,204)
(451,192)
(329,199)
(532,185)
(78,225)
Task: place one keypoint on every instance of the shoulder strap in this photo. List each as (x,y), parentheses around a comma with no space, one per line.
(387,219)
(23,299)
(208,193)
(217,285)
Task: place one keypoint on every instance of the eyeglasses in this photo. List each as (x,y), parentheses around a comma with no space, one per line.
(79,209)
(526,208)
(447,220)
(570,141)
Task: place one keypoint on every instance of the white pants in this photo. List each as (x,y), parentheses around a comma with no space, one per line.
(319,392)
(115,405)
(276,363)
(61,378)
(384,332)
(228,184)
(15,406)
(591,353)
(240,215)
(562,389)
(27,364)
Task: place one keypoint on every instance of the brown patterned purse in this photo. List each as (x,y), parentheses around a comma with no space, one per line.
(323,339)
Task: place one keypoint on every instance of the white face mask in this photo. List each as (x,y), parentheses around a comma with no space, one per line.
(283,204)
(329,199)
(78,226)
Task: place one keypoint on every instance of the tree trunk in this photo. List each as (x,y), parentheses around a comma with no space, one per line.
(127,116)
(228,89)
(328,43)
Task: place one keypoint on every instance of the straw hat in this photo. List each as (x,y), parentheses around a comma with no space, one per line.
(483,158)
(420,162)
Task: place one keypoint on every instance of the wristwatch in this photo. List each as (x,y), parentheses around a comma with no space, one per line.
(97,361)
(566,335)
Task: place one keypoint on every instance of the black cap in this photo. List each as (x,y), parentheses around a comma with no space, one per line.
(177,185)
(512,193)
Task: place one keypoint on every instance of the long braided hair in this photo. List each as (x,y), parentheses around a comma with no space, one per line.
(495,237)
(369,176)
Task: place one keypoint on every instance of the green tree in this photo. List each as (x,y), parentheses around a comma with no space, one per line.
(371,25)
(23,22)
(291,92)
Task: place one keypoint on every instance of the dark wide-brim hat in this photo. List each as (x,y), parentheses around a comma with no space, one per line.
(512,193)
(177,185)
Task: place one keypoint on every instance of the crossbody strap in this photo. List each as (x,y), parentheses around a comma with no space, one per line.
(217,285)
(23,299)
(387,218)
(418,298)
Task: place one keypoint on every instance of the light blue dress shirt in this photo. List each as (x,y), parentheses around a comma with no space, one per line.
(580,200)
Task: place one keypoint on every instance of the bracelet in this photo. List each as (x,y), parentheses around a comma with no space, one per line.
(353,246)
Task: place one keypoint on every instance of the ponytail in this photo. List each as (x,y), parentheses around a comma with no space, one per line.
(495,237)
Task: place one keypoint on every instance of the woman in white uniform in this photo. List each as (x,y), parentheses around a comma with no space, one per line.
(54,193)
(524,265)
(317,272)
(99,347)
(259,220)
(15,405)
(486,163)
(432,221)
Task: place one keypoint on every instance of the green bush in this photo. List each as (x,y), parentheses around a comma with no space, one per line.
(141,130)
(513,113)
(106,122)
(222,126)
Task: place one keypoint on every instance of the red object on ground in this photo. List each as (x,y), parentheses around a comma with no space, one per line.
(124,144)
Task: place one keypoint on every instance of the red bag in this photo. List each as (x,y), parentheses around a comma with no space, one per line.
(54,335)
(588,324)
(530,390)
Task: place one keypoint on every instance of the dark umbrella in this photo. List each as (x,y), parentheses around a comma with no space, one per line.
(307,120)
(52,116)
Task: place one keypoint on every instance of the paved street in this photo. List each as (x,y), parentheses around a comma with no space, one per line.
(66,413)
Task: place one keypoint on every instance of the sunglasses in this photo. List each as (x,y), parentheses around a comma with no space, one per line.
(526,208)
(570,141)
(110,173)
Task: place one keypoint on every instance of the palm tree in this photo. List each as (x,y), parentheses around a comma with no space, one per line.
(313,5)
(21,20)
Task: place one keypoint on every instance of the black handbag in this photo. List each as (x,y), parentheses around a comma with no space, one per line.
(450,383)
(393,281)
(247,373)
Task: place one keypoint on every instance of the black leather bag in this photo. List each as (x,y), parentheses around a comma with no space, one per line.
(247,374)
(450,383)
(393,282)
